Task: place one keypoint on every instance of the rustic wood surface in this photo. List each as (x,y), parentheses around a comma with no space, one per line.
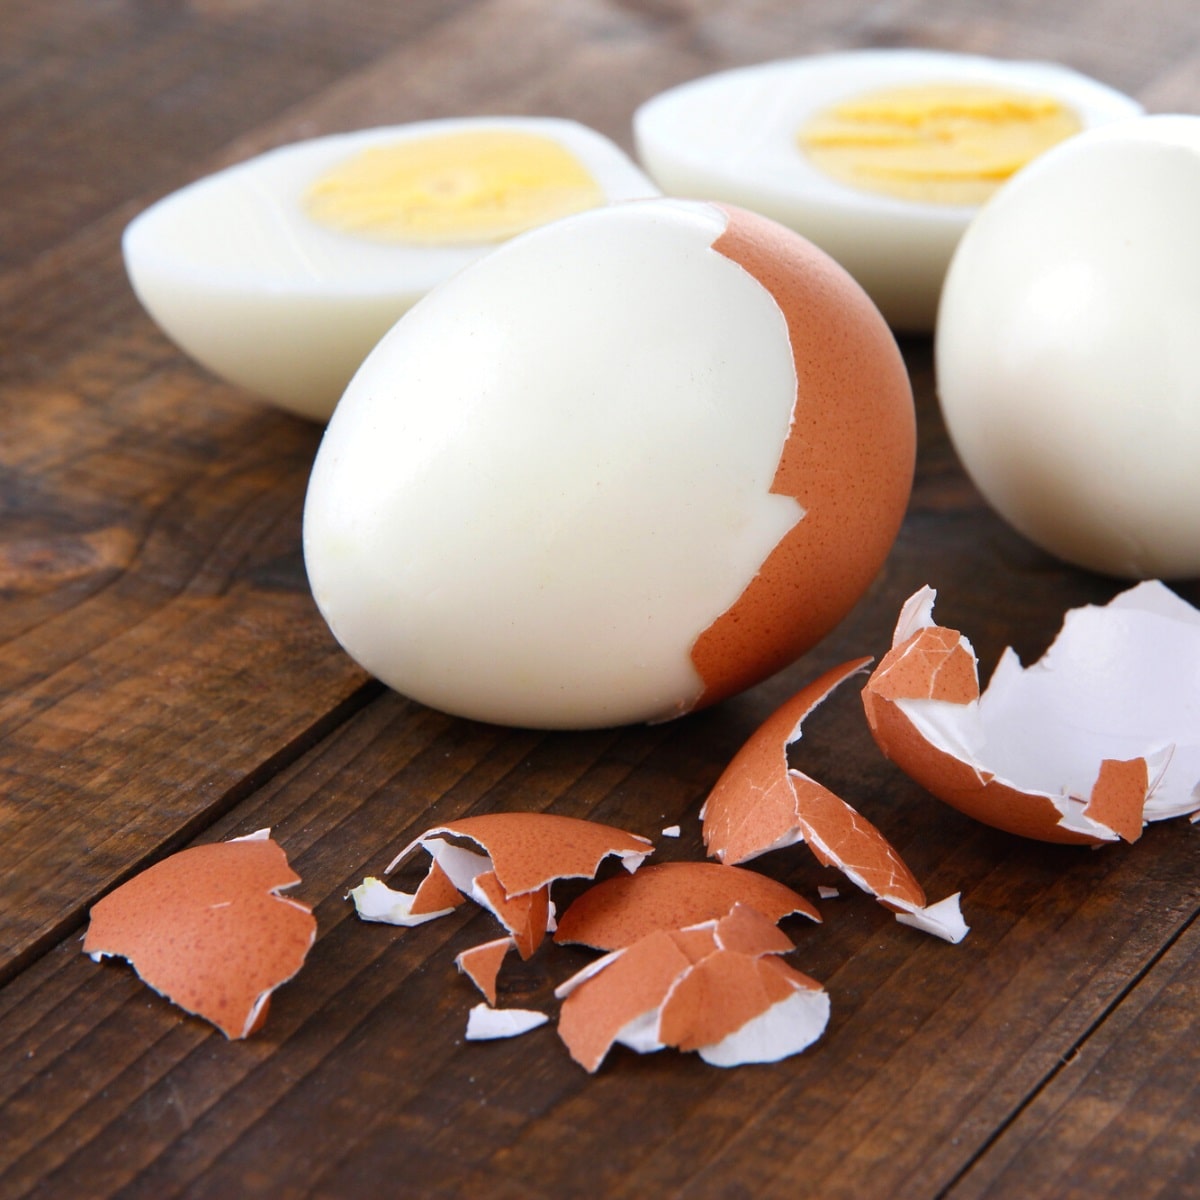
(165,678)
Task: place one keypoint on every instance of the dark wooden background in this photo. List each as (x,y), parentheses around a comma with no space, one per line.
(164,678)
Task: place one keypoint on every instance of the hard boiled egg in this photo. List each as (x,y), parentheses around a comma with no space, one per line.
(629,463)
(881,157)
(280,273)
(1068,361)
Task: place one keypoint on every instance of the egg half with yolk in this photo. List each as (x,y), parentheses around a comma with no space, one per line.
(630,463)
(280,273)
(881,157)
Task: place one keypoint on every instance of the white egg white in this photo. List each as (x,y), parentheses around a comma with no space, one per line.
(1068,361)
(554,473)
(732,137)
(247,284)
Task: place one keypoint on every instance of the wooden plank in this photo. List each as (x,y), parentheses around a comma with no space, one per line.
(1120,1115)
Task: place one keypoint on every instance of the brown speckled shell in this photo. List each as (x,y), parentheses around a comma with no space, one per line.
(206,929)
(670,896)
(481,964)
(848,460)
(758,802)
(531,849)
(934,663)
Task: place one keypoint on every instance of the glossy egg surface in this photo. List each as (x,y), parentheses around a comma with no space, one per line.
(1068,360)
(628,464)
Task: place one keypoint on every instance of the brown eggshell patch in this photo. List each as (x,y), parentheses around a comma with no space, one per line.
(1044,750)
(606,997)
(848,460)
(523,853)
(935,663)
(747,931)
(669,896)
(207,929)
(843,838)
(436,893)
(752,807)
(525,915)
(481,964)
(528,849)
(1119,797)
(719,995)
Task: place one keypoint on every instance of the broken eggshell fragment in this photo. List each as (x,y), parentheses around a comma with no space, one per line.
(522,854)
(715,987)
(760,804)
(481,964)
(669,896)
(208,929)
(485,1024)
(1098,736)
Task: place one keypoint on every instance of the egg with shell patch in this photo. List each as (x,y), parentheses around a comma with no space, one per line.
(279,273)
(879,156)
(630,463)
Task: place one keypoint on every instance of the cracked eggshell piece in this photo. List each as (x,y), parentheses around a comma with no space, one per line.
(713,987)
(670,443)
(1098,736)
(529,850)
(759,804)
(236,269)
(481,964)
(752,806)
(669,896)
(486,1024)
(523,853)
(208,929)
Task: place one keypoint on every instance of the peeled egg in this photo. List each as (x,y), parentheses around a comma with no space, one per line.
(880,157)
(1068,362)
(280,273)
(629,463)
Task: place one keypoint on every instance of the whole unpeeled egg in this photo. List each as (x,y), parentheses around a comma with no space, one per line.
(629,463)
(280,273)
(1068,355)
(880,157)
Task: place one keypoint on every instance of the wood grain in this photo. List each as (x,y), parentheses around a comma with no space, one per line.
(165,678)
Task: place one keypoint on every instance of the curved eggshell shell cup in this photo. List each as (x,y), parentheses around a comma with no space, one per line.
(1082,747)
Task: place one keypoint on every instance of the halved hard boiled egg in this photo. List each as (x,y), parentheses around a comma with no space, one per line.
(280,273)
(627,464)
(881,157)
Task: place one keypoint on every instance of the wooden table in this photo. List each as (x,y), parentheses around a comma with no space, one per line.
(165,679)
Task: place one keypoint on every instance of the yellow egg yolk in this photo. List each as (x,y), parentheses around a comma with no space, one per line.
(943,143)
(472,186)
